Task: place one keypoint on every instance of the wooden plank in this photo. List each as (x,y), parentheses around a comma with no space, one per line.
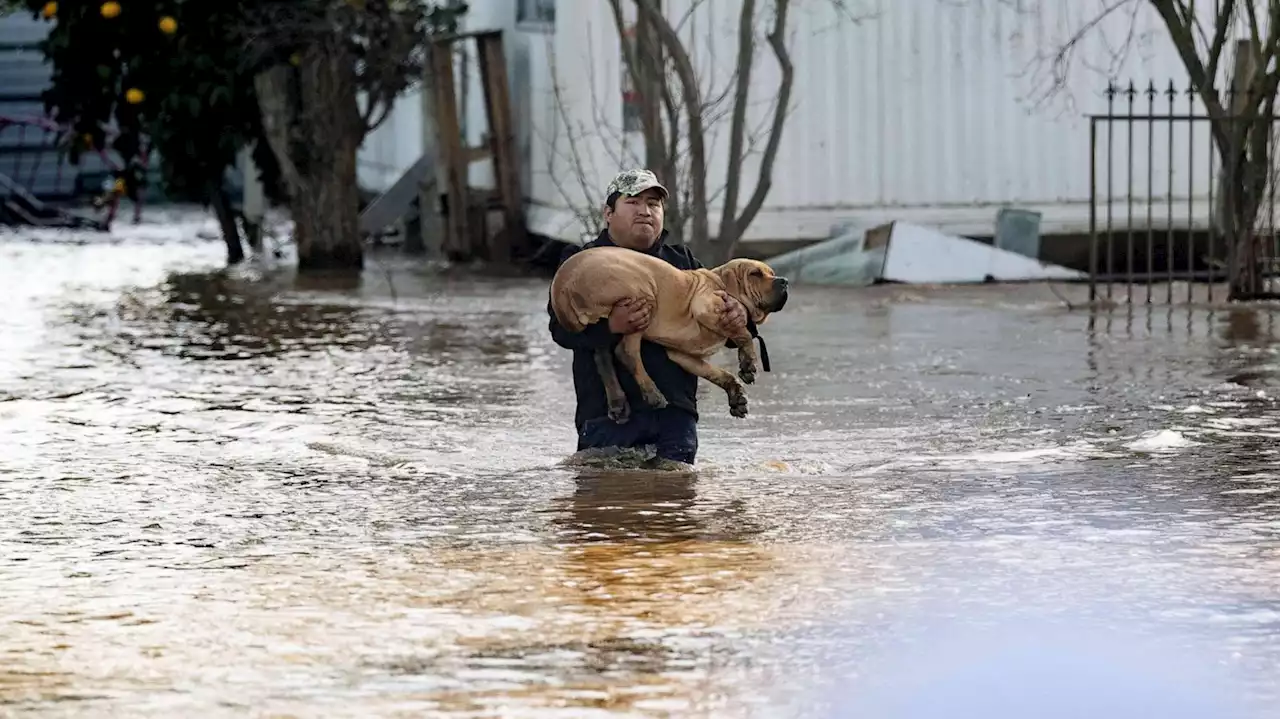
(493,73)
(476,153)
(460,36)
(457,244)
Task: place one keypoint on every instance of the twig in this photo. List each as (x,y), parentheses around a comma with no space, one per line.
(1065,301)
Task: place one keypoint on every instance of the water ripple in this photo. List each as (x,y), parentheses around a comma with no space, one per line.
(245,492)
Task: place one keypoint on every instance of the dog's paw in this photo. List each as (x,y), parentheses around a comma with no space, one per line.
(737,402)
(655,399)
(747,375)
(620,413)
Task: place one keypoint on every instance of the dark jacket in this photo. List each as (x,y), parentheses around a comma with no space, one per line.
(678,385)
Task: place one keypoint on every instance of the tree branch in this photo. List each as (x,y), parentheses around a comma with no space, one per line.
(591,218)
(681,193)
(271,86)
(1203,83)
(737,125)
(690,94)
(1059,60)
(765,181)
(371,122)
(1222,26)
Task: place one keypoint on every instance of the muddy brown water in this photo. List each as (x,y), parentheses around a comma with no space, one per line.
(252,495)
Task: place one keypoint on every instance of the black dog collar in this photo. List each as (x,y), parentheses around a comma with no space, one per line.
(764,350)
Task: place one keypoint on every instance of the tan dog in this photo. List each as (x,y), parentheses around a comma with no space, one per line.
(684,318)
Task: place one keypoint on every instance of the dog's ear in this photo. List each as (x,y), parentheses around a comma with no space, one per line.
(751,278)
(747,281)
(731,275)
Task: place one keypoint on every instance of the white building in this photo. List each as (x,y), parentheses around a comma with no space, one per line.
(930,111)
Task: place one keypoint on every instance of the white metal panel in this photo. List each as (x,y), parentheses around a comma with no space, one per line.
(919,255)
(927,110)
(583,145)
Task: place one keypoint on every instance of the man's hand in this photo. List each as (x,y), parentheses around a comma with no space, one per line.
(734,320)
(629,316)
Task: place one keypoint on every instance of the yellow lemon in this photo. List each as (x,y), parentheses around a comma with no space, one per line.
(119,186)
(134,96)
(110,9)
(168,25)
(50,10)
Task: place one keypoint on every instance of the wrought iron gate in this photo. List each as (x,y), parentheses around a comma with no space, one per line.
(1160,203)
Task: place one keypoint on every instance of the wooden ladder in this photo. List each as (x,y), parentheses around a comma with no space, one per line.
(469,207)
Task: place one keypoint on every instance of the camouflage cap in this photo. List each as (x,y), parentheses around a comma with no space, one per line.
(633,182)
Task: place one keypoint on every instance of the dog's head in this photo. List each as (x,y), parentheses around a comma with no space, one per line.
(754,284)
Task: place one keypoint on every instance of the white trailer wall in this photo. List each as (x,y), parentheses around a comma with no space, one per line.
(932,111)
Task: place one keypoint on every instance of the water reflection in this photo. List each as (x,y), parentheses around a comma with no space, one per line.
(626,607)
(639,547)
(646,508)
(215,316)
(325,281)
(1248,326)
(1247,335)
(274,494)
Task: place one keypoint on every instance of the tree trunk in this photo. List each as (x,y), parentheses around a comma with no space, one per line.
(326,201)
(314,127)
(227,223)
(1244,199)
(712,253)
(1242,183)
(326,214)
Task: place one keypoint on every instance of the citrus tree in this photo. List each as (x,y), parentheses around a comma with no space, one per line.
(170,80)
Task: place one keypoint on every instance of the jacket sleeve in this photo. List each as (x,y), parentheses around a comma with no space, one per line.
(592,337)
(696,264)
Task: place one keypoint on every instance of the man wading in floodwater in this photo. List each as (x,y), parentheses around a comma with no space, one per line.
(633,212)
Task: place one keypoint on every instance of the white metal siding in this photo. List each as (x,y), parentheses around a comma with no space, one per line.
(924,111)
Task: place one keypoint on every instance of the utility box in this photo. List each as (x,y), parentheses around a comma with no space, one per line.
(1018,231)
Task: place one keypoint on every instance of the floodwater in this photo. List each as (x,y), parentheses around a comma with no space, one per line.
(251,495)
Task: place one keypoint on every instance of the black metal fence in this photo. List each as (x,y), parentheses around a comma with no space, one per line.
(1162,201)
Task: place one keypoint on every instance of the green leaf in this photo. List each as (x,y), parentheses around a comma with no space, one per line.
(201,105)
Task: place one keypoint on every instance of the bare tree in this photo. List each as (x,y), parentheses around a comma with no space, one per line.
(572,138)
(570,149)
(683,116)
(672,100)
(1240,115)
